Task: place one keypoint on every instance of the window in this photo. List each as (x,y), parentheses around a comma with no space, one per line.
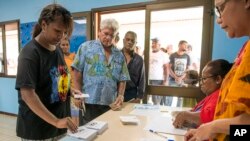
(81,31)
(9,48)
(171,21)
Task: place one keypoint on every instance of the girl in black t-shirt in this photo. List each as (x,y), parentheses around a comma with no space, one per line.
(43,79)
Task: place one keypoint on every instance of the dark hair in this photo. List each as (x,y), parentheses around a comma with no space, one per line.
(182,42)
(132,33)
(49,15)
(219,67)
(193,76)
(117,37)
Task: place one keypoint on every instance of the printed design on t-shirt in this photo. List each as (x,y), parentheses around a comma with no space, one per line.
(180,66)
(60,83)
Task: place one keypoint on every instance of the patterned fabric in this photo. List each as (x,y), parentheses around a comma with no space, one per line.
(234,98)
(68,60)
(100,76)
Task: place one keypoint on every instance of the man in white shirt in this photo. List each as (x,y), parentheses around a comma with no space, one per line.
(158,69)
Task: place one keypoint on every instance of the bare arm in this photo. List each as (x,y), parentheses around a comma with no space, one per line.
(78,80)
(78,88)
(166,73)
(186,118)
(120,92)
(211,129)
(222,125)
(171,71)
(32,100)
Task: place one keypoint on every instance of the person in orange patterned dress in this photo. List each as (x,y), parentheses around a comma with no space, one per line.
(233,107)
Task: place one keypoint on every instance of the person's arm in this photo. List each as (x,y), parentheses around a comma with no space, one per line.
(186,118)
(209,130)
(78,77)
(171,71)
(141,84)
(223,125)
(78,88)
(166,74)
(32,100)
(120,93)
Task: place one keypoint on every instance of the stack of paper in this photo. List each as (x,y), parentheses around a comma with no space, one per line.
(99,126)
(84,133)
(129,120)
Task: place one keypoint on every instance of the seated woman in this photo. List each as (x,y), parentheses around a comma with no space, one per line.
(212,76)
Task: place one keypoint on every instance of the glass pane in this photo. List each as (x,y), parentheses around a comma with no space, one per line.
(12,47)
(135,22)
(79,34)
(1,51)
(169,60)
(172,101)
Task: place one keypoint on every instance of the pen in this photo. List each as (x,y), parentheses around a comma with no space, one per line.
(158,133)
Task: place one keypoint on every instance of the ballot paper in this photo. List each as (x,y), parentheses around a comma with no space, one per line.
(99,126)
(81,95)
(84,133)
(164,125)
(132,120)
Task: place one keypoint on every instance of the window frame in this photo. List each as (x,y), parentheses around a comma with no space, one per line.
(2,24)
(89,19)
(206,50)
(207,39)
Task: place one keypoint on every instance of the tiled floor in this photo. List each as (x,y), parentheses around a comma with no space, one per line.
(8,128)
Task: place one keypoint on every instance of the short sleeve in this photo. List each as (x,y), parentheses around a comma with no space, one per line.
(124,74)
(26,73)
(79,60)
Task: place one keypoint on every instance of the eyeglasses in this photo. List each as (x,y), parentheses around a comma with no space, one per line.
(203,79)
(219,8)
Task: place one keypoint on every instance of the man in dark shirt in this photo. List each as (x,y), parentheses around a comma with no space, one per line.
(135,88)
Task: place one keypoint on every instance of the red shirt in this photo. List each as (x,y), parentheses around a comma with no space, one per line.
(208,108)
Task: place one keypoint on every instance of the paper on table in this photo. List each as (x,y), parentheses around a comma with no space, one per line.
(165,125)
(145,110)
(84,133)
(129,120)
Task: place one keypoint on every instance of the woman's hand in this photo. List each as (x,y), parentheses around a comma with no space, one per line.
(180,119)
(204,132)
(66,123)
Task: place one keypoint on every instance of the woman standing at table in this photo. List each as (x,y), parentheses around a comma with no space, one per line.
(233,104)
(43,80)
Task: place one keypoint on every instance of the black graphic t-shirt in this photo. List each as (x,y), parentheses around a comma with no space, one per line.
(179,63)
(46,73)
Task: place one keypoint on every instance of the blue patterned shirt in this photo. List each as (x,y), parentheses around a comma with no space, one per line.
(100,78)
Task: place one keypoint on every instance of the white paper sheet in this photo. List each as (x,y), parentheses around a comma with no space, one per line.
(165,125)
